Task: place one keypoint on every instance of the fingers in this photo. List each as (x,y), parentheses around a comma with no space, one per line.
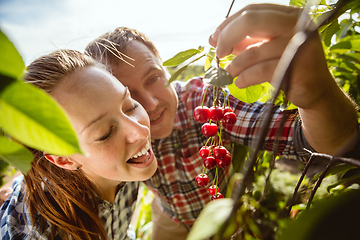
(4,194)
(259,73)
(252,7)
(264,25)
(255,60)
(259,22)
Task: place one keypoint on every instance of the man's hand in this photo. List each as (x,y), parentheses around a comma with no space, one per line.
(258,35)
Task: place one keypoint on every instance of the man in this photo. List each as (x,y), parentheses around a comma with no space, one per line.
(328,116)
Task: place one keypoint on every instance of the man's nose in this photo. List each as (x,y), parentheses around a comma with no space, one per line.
(148,101)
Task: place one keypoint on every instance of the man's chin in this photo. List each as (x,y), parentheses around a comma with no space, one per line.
(160,132)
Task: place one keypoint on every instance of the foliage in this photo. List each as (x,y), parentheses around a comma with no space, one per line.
(28,116)
(143,227)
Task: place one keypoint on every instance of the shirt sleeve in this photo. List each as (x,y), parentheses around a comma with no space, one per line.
(300,144)
(12,221)
(250,119)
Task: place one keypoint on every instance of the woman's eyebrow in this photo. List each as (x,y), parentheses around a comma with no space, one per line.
(93,121)
(126,93)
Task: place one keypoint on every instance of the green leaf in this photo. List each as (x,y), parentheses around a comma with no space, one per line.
(11,63)
(345,26)
(348,43)
(297,3)
(329,32)
(31,116)
(238,156)
(211,218)
(247,95)
(15,154)
(350,56)
(182,57)
(181,69)
(5,81)
(209,57)
(335,170)
(341,6)
(218,77)
(330,218)
(341,182)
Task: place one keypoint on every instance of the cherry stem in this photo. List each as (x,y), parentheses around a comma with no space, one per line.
(219,135)
(203,100)
(212,140)
(216,101)
(226,96)
(216,178)
(207,141)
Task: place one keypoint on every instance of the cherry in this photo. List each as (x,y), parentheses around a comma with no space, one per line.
(204,152)
(210,162)
(201,114)
(213,189)
(227,109)
(217,196)
(229,118)
(209,129)
(216,113)
(202,180)
(220,152)
(225,162)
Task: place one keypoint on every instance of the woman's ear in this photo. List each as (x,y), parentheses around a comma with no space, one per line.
(62,162)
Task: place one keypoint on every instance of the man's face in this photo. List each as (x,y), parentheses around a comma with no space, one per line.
(146,81)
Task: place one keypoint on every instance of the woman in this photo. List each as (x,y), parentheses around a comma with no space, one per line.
(88,196)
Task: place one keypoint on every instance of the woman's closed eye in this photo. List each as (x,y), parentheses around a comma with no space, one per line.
(107,135)
(110,132)
(136,105)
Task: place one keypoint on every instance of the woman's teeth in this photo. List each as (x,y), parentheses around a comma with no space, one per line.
(142,152)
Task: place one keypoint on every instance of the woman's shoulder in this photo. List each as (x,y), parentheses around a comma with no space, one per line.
(13,213)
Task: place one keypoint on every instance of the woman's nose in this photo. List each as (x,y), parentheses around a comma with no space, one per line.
(134,130)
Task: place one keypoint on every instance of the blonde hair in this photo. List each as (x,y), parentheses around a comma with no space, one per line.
(61,197)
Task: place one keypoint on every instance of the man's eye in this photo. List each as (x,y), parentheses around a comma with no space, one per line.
(153,79)
(107,135)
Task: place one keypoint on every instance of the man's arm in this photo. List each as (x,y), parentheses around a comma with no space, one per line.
(258,35)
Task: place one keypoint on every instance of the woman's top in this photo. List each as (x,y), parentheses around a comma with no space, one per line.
(16,223)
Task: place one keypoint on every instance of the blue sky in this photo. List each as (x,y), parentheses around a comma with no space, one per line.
(37,27)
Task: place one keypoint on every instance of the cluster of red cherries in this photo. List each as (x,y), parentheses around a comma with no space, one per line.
(213,153)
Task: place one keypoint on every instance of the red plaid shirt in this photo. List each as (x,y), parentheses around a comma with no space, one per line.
(178,155)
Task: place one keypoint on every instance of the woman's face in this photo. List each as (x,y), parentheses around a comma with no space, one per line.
(112,128)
